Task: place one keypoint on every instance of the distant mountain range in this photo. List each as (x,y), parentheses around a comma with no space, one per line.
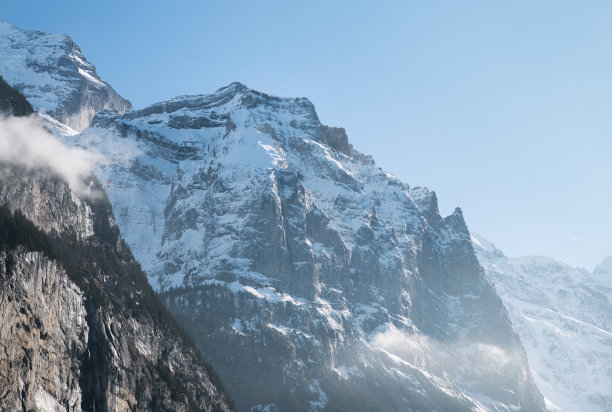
(564,318)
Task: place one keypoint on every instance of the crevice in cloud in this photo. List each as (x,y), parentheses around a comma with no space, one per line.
(24,141)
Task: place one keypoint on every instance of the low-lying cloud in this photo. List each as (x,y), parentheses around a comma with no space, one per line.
(424,351)
(25,142)
(474,366)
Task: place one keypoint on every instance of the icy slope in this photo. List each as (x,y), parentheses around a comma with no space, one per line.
(51,71)
(564,318)
(290,256)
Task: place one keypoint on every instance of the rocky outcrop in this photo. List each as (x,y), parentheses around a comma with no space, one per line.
(53,74)
(48,202)
(335,137)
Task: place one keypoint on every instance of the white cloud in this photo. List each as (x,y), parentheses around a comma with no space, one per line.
(24,141)
(460,360)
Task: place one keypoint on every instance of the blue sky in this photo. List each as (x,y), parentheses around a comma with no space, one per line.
(503,108)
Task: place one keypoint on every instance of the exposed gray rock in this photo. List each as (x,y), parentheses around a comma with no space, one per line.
(49,203)
(336,138)
(95,337)
(43,334)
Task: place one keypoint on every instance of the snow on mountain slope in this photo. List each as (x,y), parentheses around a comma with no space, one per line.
(53,74)
(290,256)
(564,318)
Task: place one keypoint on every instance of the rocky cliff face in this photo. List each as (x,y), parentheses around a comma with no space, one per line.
(81,327)
(564,318)
(303,271)
(43,334)
(51,71)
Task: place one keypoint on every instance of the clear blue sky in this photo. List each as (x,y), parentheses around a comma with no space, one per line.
(503,107)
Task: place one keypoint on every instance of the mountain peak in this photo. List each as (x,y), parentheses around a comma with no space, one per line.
(235,87)
(230,98)
(53,74)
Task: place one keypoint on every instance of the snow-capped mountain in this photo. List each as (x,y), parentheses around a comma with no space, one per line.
(310,278)
(564,318)
(51,71)
(302,270)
